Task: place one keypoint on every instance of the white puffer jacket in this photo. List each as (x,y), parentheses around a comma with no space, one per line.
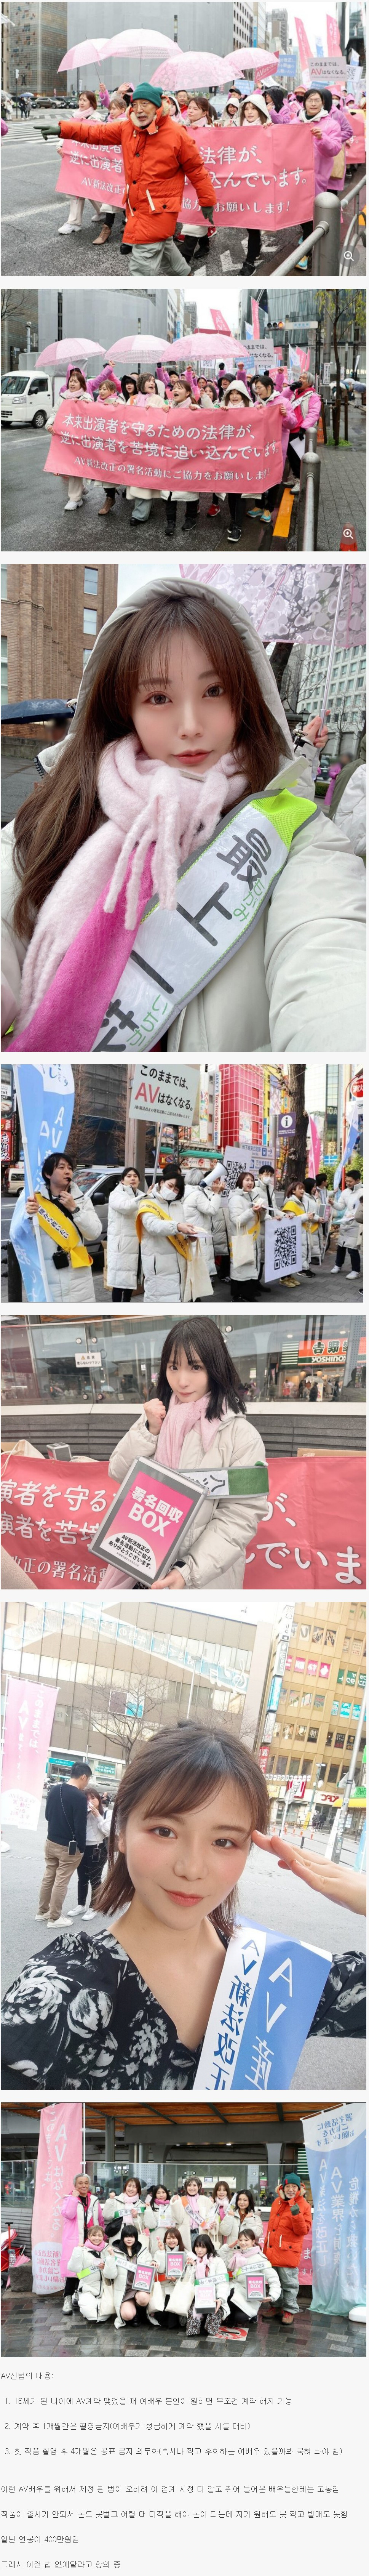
(243,1222)
(123,1245)
(213,1549)
(196,1207)
(163,1268)
(303,968)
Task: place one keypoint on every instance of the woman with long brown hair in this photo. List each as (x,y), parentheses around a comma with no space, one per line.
(171,874)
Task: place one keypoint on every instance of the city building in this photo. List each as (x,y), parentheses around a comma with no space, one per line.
(347,693)
(277,30)
(243,20)
(19,325)
(241,1104)
(50,616)
(193,25)
(123,1672)
(267,2142)
(63,313)
(37,42)
(309,1717)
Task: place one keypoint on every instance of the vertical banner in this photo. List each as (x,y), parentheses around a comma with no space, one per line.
(336,2153)
(59,2159)
(30,1710)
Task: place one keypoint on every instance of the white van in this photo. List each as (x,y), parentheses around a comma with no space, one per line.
(26,399)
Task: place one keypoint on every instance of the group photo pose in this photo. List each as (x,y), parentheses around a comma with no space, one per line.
(186,811)
(195,2256)
(146,133)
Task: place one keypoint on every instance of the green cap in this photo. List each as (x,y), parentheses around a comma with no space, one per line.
(145,91)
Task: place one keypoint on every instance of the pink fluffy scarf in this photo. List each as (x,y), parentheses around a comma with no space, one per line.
(179,1419)
(155,819)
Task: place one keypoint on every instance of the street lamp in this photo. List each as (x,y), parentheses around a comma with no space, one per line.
(334,1846)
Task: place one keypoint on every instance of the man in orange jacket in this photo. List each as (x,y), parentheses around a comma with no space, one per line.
(157,152)
(290,2220)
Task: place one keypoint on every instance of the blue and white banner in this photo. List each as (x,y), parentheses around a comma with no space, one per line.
(349,1149)
(45,1094)
(336,2153)
(265,2001)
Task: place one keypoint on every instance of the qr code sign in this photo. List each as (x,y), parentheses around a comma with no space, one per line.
(285,1248)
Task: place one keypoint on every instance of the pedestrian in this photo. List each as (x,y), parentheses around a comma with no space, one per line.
(289,2222)
(87,106)
(196,244)
(90,2006)
(170,2296)
(254,111)
(157,153)
(230,114)
(123,1251)
(128,2300)
(209,2306)
(74,390)
(164,1237)
(247,2264)
(265,1204)
(80,2211)
(146,392)
(246,2207)
(106,389)
(332,129)
(95,2272)
(235,397)
(218,1205)
(90,1868)
(349,1203)
(297,1204)
(180,393)
(245,1235)
(67,1284)
(197,1419)
(263,390)
(174,765)
(196,1207)
(66,1819)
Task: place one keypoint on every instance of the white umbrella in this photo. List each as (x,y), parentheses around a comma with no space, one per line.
(210,344)
(139,42)
(148,348)
(192,71)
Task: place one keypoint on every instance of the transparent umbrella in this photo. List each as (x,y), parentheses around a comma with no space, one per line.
(192,71)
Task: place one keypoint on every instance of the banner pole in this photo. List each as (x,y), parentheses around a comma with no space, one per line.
(157,1151)
(83,2137)
(332,646)
(34,1220)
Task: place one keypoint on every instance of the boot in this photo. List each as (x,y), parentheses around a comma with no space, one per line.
(107,505)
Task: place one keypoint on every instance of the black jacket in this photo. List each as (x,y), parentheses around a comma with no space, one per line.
(66,1814)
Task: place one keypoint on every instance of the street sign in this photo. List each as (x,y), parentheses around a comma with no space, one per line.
(287,1122)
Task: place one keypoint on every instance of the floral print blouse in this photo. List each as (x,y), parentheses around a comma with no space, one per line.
(80,2015)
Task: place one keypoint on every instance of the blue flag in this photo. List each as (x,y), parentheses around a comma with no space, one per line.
(349,1149)
(336,2154)
(265,2001)
(45,1094)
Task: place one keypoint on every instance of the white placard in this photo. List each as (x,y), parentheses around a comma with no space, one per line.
(283,1246)
(88,1359)
(164,1091)
(327,68)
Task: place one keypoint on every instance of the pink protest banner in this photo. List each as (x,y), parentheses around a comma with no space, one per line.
(142,1529)
(50,1514)
(237,451)
(315,1526)
(59,2158)
(262,177)
(92,170)
(28,1722)
(356,147)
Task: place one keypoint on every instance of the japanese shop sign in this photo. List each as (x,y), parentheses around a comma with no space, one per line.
(30,1710)
(164,1091)
(236,451)
(283,1246)
(265,2001)
(261,176)
(336,2154)
(142,1529)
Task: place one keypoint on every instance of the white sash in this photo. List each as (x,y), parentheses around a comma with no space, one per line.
(221,895)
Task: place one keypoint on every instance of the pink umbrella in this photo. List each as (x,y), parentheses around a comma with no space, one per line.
(249,58)
(147,348)
(210,344)
(136,41)
(191,71)
(66,350)
(91,51)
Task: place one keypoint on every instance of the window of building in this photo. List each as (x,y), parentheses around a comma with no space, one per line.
(333,1771)
(281,1766)
(328,1740)
(86,656)
(306,1699)
(4,670)
(89,621)
(4,581)
(318,1700)
(350,1740)
(288,1732)
(301,1732)
(313,1734)
(293,1700)
(90,582)
(339,1741)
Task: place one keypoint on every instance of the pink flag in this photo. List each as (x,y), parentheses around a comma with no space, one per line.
(304,358)
(333,36)
(29,1716)
(219,322)
(303,44)
(315,1148)
(255,318)
(59,2159)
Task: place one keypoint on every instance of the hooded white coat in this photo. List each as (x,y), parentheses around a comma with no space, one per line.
(163,1268)
(212,1552)
(303,967)
(122,1244)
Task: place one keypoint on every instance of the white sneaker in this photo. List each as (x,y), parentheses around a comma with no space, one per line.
(336,1273)
(52,1920)
(69,228)
(74,505)
(75,1909)
(67,2303)
(152,2321)
(41,1918)
(118,2322)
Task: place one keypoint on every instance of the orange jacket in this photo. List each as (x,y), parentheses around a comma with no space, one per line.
(286,2230)
(155,159)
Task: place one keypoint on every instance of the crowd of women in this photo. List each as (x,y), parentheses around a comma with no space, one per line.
(166,388)
(201,2258)
(184,1233)
(263,105)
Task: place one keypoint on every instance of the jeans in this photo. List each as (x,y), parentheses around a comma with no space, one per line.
(147,257)
(60,1866)
(289,2280)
